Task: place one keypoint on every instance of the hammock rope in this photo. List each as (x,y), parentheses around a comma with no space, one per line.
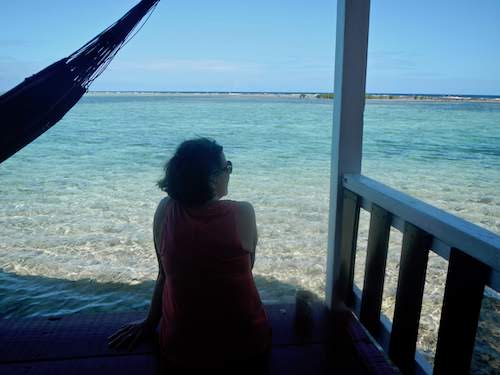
(40,101)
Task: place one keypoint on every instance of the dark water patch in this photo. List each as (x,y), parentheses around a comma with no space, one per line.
(30,296)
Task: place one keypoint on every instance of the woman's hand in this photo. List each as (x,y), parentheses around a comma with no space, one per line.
(131,334)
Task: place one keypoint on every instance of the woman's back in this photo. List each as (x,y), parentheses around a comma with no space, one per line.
(211,308)
(205,299)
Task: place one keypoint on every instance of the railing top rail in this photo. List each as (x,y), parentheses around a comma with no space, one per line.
(452,230)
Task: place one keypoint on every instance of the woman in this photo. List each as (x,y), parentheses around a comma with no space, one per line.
(205,300)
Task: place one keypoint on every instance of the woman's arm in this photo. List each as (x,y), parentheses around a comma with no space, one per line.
(247,229)
(154,314)
(130,334)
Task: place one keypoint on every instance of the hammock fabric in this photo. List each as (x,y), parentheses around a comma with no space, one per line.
(40,101)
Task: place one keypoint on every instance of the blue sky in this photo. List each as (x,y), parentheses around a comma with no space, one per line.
(449,47)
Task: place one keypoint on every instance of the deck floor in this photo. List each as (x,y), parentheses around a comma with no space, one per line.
(77,344)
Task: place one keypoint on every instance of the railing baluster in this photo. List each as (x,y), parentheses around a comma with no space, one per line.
(459,317)
(350,220)
(411,281)
(470,269)
(373,286)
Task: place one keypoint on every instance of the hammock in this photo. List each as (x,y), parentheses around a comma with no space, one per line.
(40,101)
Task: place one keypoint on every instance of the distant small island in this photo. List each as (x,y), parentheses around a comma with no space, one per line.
(312,95)
(413,97)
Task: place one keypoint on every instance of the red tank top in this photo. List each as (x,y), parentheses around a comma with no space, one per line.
(212,311)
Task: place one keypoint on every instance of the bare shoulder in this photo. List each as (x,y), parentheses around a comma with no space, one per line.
(246,225)
(162,205)
(245,211)
(159,220)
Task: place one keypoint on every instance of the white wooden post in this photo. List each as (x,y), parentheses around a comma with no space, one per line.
(347,137)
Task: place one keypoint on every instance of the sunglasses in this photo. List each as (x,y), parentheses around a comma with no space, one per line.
(228,168)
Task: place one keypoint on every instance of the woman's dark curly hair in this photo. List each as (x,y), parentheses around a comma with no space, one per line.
(189,172)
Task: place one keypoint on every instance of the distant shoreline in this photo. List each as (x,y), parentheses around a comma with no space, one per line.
(321,96)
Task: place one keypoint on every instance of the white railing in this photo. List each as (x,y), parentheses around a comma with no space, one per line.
(447,231)
(473,255)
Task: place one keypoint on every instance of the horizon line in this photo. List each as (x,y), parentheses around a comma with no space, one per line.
(288,92)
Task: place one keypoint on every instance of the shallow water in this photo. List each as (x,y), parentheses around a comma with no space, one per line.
(76,206)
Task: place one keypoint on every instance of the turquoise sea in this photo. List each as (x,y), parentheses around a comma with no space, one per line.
(76,206)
